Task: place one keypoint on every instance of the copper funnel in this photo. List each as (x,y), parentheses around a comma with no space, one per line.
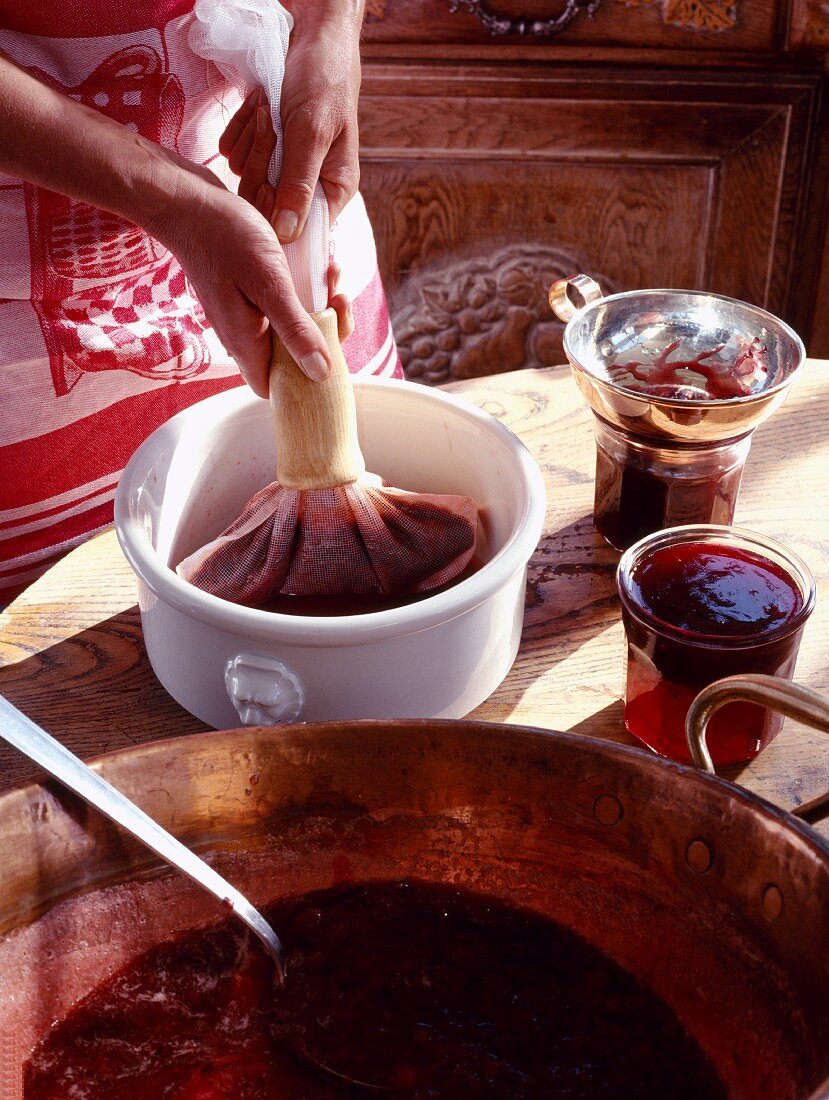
(604,331)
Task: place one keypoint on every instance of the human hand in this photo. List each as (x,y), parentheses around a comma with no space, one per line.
(232,258)
(319,121)
(228,251)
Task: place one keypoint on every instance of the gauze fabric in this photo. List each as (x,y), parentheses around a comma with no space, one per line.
(349,539)
(248,42)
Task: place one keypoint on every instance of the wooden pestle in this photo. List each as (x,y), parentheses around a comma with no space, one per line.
(315,422)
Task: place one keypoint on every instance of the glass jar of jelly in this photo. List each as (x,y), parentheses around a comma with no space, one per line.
(701,602)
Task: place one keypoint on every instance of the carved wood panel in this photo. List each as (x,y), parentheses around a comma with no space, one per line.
(482,314)
(697,24)
(810,24)
(818,342)
(478,199)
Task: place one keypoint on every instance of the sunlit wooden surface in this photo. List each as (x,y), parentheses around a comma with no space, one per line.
(72,657)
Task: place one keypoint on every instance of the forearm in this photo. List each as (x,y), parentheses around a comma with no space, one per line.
(343,17)
(50,140)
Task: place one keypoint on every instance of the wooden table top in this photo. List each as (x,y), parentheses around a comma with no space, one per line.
(72,657)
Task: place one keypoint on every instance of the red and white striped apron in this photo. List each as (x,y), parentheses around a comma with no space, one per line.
(101,338)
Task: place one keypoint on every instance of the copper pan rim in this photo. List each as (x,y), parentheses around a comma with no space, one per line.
(373,727)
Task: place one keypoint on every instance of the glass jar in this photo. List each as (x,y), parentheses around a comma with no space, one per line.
(643,485)
(669,661)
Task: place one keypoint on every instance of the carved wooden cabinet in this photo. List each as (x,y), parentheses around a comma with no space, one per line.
(651,143)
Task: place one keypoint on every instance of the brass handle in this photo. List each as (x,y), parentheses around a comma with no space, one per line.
(806,706)
(568,296)
(537,28)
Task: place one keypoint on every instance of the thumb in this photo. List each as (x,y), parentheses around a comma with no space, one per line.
(267,284)
(304,150)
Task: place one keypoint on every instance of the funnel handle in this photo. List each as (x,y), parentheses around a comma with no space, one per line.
(568,296)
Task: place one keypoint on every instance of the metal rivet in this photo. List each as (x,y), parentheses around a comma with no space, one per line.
(699,856)
(607,810)
(772,902)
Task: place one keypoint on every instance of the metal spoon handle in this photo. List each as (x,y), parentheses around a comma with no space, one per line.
(35,743)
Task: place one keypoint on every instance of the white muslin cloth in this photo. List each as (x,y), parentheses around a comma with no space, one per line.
(248,41)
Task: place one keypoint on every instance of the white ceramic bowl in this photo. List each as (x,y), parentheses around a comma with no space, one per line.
(438,658)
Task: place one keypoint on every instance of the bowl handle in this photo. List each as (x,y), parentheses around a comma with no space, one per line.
(806,706)
(568,296)
(263,691)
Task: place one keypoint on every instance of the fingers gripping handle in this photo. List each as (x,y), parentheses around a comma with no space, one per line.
(315,422)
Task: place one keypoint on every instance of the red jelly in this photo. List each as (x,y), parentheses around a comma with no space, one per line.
(698,604)
(412,989)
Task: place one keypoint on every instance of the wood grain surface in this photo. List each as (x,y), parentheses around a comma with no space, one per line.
(72,657)
(485,182)
(712,26)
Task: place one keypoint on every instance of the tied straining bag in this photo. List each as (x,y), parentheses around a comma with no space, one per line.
(325,527)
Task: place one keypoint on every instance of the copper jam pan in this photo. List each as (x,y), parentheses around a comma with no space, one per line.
(715,898)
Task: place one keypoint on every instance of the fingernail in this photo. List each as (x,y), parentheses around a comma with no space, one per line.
(261,195)
(261,120)
(315,366)
(286,224)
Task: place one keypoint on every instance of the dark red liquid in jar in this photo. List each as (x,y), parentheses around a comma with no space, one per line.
(703,588)
(645,485)
(424,990)
(641,489)
(725,609)
(357,603)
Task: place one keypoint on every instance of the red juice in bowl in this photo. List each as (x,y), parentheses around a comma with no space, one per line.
(700,603)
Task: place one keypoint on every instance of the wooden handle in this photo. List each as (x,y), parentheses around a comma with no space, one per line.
(315,422)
